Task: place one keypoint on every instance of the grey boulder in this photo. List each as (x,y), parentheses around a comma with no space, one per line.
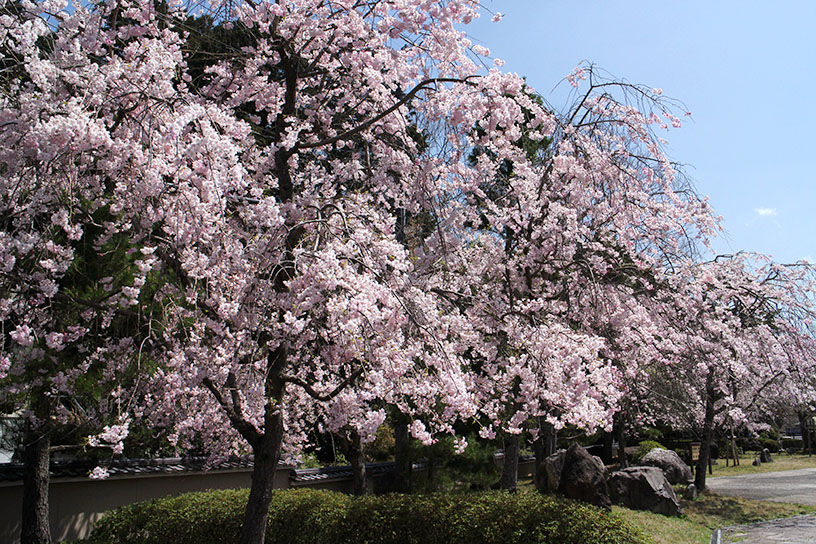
(676,471)
(644,488)
(690,493)
(548,477)
(582,479)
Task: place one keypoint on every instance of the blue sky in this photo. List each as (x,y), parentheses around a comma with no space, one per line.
(746,70)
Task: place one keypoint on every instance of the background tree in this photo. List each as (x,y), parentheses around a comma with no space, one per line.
(742,335)
(555,244)
(77,283)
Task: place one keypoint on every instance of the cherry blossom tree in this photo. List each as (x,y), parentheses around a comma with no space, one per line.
(561,225)
(739,333)
(294,301)
(262,187)
(79,167)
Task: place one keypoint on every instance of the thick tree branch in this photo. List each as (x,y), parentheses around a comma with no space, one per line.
(365,124)
(326,396)
(247,430)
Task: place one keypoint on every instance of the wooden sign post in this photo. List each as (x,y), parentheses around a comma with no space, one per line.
(694,450)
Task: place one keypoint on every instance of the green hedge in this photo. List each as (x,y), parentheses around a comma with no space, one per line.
(325,517)
(771,444)
(757,444)
(793,443)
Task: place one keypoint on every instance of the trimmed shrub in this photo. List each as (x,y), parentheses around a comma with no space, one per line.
(770,443)
(326,517)
(185,518)
(793,443)
(384,445)
(759,443)
(475,468)
(645,447)
(750,443)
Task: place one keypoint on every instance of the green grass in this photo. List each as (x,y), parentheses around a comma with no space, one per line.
(665,529)
(705,514)
(714,510)
(781,461)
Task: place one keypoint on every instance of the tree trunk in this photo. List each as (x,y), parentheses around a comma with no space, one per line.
(732,446)
(546,442)
(549,437)
(539,448)
(35,528)
(353,444)
(608,442)
(267,453)
(708,436)
(509,477)
(402,458)
(544,446)
(812,434)
(620,433)
(805,434)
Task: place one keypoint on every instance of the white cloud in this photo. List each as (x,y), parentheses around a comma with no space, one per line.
(766,212)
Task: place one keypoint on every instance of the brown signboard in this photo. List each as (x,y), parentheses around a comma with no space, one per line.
(695,451)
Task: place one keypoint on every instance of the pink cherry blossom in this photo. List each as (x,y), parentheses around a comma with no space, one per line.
(99,473)
(22,335)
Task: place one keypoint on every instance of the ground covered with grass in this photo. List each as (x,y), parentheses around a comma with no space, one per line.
(664,529)
(711,511)
(781,461)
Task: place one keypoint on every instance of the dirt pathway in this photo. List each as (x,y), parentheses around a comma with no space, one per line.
(795,530)
(798,486)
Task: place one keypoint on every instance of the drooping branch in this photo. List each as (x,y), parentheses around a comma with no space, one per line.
(64,297)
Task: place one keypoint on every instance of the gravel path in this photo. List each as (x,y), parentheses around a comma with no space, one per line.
(797,486)
(796,530)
